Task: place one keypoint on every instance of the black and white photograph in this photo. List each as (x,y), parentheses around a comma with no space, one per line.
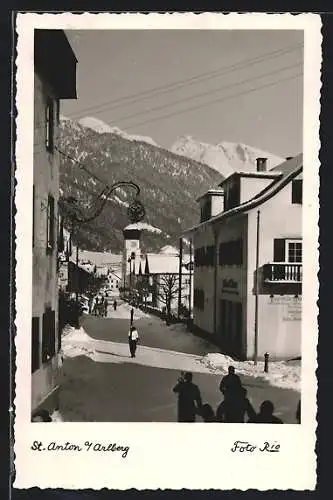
(161,206)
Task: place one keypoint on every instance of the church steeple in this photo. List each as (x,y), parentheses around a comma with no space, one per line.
(132,234)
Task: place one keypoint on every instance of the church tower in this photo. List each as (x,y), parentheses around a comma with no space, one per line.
(132,252)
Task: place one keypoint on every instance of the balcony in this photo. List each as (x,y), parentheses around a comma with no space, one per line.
(283,273)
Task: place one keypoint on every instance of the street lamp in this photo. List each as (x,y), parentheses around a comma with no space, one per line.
(75,214)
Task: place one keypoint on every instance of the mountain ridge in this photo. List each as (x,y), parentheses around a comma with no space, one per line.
(170,182)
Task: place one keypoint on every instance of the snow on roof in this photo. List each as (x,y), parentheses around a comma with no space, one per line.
(169,250)
(216,192)
(100,258)
(164,263)
(141,226)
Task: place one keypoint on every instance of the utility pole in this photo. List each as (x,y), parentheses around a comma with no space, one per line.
(256,333)
(180,276)
(190,283)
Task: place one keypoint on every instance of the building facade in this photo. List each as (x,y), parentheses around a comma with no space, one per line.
(55,79)
(248,262)
(158,277)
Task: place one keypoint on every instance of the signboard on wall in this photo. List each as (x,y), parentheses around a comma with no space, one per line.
(291,306)
(230,286)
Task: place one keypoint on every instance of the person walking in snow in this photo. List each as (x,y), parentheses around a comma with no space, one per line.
(105,303)
(189,398)
(133,338)
(230,382)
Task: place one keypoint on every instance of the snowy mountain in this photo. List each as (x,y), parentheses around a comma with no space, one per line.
(102,128)
(225,157)
(169,185)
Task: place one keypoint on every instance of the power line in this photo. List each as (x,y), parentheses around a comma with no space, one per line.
(186,110)
(146,94)
(211,92)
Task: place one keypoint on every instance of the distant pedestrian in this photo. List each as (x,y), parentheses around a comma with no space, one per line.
(207,413)
(230,382)
(133,338)
(189,398)
(235,407)
(114,305)
(265,415)
(105,307)
(132,316)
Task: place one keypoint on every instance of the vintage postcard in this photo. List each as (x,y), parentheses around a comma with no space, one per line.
(166,250)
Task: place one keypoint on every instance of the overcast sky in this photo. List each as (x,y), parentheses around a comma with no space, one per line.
(166,69)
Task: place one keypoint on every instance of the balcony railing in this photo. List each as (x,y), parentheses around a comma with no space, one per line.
(283,273)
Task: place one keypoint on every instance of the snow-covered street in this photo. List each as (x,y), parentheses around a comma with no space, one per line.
(97,364)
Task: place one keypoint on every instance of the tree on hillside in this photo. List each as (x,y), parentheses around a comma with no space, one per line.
(168,289)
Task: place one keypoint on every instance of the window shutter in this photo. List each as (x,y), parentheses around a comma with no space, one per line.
(35,361)
(279,250)
(297,191)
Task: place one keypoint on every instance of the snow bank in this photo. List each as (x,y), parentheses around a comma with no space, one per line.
(281,373)
(78,343)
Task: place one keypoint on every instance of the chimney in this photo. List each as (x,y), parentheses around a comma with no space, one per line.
(261,164)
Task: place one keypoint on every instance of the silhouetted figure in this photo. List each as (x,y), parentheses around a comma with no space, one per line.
(298,412)
(133,338)
(230,381)
(207,413)
(189,398)
(41,416)
(265,415)
(235,407)
(132,316)
(115,305)
(105,304)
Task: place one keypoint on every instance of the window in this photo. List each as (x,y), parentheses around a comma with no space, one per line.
(231,194)
(294,251)
(206,210)
(50,225)
(35,363)
(210,250)
(231,253)
(297,191)
(48,335)
(287,250)
(49,125)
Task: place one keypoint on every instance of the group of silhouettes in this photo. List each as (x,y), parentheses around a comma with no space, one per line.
(234,408)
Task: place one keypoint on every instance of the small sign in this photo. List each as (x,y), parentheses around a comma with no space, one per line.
(229,285)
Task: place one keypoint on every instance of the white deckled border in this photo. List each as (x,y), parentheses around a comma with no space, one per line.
(166,456)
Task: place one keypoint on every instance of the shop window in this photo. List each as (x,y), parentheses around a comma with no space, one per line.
(49,125)
(35,361)
(297,191)
(48,335)
(50,225)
